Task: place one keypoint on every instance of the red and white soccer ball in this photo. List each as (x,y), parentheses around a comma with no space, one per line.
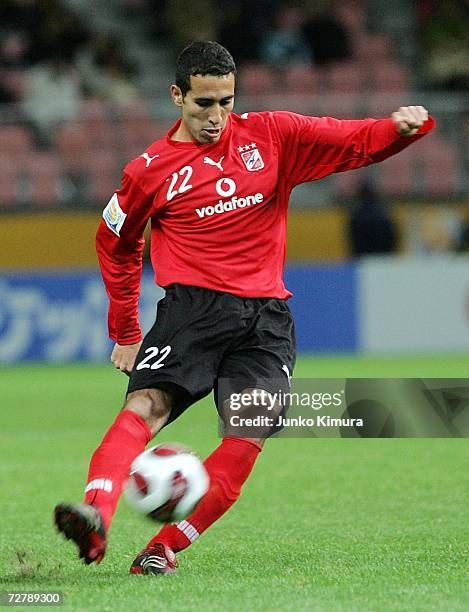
(166,483)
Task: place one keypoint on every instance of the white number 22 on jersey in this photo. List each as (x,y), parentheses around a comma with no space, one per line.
(151,353)
(186,174)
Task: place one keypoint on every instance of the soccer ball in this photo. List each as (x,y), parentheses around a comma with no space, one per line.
(166,483)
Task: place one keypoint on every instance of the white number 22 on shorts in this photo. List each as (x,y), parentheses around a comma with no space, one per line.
(151,353)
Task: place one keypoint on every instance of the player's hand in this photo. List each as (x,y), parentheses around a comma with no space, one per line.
(123,356)
(408,119)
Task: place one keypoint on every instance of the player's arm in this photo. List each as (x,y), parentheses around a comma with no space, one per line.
(119,244)
(315,147)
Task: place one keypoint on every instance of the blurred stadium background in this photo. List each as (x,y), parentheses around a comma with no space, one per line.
(376,257)
(376,260)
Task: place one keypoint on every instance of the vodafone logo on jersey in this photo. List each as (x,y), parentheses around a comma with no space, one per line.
(228,205)
(226,188)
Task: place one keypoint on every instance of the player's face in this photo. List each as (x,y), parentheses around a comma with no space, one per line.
(205,107)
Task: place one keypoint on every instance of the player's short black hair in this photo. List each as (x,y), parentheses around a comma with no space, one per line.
(202,57)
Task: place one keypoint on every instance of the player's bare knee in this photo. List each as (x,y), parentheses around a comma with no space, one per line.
(153,405)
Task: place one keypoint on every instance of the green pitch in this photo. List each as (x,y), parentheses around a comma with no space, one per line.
(331,524)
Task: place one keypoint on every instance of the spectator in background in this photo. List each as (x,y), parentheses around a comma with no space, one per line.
(155,14)
(52,95)
(105,72)
(326,36)
(445,43)
(49,24)
(285,44)
(371,228)
(134,7)
(463,244)
(20,16)
(14,50)
(18,19)
(448,66)
(60,32)
(236,18)
(191,21)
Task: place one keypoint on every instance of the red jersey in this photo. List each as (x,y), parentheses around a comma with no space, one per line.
(219,211)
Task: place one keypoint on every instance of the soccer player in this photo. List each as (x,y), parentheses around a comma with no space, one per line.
(216,189)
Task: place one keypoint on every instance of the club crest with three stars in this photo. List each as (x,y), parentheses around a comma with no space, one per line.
(251,157)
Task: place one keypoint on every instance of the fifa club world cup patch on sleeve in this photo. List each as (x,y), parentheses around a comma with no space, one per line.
(114,216)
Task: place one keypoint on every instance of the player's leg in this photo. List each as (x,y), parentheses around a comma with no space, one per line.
(228,467)
(145,412)
(166,380)
(268,355)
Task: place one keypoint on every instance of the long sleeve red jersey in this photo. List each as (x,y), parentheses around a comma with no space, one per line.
(219,212)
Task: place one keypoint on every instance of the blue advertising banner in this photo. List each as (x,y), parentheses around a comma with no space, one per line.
(60,316)
(57,316)
(325,307)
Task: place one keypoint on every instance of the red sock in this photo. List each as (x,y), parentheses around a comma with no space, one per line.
(110,463)
(228,467)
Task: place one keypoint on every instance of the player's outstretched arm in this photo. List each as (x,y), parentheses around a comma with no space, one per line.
(123,356)
(408,119)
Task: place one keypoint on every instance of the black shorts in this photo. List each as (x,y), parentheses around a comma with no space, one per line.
(201,337)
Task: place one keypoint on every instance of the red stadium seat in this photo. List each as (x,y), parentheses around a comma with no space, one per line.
(439,161)
(95,110)
(346,106)
(352,14)
(397,174)
(159,129)
(15,139)
(136,133)
(97,124)
(257,80)
(74,146)
(14,81)
(441,178)
(345,77)
(372,48)
(347,183)
(103,170)
(44,175)
(72,139)
(100,133)
(387,76)
(10,177)
(138,109)
(300,79)
(383,104)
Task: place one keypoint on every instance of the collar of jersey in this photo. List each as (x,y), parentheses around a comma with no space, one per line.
(194,144)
